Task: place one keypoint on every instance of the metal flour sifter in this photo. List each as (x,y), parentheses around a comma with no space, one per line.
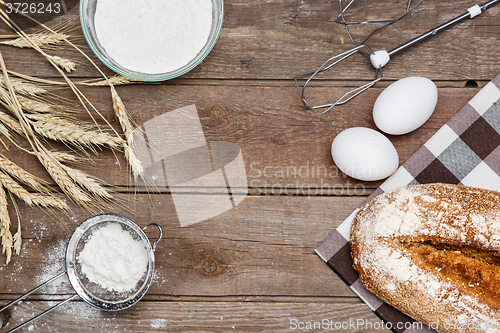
(90,292)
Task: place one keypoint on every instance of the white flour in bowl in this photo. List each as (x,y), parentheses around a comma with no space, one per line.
(113,259)
(153,36)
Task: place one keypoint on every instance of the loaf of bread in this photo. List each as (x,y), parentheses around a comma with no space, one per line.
(433,252)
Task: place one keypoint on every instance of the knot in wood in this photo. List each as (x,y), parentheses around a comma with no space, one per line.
(218,112)
(209,266)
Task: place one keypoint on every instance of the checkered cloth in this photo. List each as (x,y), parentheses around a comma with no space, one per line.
(464,151)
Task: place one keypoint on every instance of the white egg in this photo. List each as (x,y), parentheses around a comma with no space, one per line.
(405,105)
(364,154)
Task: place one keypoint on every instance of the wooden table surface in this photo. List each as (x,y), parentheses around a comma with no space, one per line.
(252,268)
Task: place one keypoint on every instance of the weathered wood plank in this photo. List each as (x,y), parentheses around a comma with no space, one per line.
(202,317)
(252,268)
(264,247)
(279,39)
(284,145)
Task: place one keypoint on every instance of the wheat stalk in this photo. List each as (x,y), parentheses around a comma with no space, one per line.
(40,39)
(53,167)
(59,129)
(81,97)
(80,187)
(5,234)
(135,163)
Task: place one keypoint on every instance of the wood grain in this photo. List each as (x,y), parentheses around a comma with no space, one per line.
(279,39)
(202,317)
(259,248)
(284,145)
(253,268)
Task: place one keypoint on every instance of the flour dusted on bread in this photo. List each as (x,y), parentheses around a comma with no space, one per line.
(438,243)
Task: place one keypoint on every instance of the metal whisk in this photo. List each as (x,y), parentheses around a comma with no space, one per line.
(383,22)
(378,58)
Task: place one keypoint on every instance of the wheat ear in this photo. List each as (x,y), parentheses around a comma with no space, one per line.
(122,115)
(5,234)
(32,199)
(115,80)
(5,132)
(128,131)
(18,239)
(88,183)
(43,37)
(60,156)
(31,104)
(34,105)
(133,161)
(24,88)
(65,157)
(56,171)
(63,63)
(10,122)
(39,39)
(60,129)
(22,175)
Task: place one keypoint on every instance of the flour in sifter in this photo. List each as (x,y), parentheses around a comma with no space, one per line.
(153,36)
(113,259)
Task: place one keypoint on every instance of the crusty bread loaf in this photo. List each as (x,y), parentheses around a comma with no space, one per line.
(433,252)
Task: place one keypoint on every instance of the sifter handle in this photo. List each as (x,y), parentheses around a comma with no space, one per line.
(19,299)
(32,291)
(159,229)
(43,313)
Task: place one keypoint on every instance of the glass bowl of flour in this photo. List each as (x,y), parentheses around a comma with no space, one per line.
(151,40)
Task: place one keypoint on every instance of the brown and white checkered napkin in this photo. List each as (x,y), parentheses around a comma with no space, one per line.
(464,151)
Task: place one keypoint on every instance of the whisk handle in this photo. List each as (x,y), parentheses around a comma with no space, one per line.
(468,14)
